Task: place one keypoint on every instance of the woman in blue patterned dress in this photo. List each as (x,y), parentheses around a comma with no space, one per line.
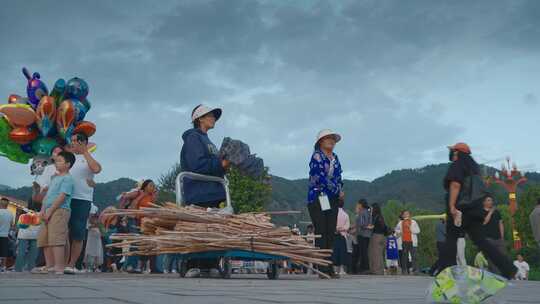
(325,190)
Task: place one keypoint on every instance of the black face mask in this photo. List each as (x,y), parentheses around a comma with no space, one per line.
(451,155)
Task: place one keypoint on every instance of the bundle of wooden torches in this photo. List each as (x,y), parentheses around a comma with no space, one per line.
(183,230)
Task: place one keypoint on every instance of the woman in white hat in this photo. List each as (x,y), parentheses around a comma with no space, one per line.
(200,155)
(325,189)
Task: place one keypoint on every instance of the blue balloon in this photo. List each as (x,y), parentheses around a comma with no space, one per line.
(87,104)
(80,110)
(77,88)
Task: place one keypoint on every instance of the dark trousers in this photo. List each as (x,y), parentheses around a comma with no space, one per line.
(340,256)
(354,259)
(490,250)
(80,261)
(408,248)
(363,254)
(436,268)
(324,223)
(501,246)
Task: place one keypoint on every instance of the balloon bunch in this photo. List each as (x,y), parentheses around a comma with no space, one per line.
(34,125)
(28,219)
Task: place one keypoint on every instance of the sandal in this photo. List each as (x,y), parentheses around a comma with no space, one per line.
(42,270)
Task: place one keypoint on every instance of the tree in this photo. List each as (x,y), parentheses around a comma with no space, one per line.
(167,184)
(249,194)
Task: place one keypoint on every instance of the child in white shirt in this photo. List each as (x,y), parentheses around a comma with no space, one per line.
(523,268)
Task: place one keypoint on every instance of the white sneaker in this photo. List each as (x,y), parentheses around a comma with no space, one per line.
(193,273)
(458,219)
(165,271)
(173,271)
(69,270)
(80,271)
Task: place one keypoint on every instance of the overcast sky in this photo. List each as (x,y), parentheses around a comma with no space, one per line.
(400,80)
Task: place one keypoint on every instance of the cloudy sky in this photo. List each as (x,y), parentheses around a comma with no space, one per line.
(399,80)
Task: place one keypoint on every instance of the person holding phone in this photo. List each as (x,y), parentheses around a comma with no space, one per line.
(83,172)
(325,190)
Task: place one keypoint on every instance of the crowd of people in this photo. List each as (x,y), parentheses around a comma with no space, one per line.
(72,233)
(470,211)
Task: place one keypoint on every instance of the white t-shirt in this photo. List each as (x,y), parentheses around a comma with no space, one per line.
(523,268)
(6,218)
(45,178)
(30,233)
(93,210)
(81,174)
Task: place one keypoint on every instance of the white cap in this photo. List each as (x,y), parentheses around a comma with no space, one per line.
(202,110)
(327,132)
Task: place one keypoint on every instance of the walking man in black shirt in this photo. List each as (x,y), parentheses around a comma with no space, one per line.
(462,210)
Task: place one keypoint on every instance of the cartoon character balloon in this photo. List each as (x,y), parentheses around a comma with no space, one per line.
(35,88)
(44,146)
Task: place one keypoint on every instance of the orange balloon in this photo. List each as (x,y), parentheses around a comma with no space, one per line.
(66,114)
(85,127)
(36,220)
(46,108)
(19,115)
(25,219)
(23,135)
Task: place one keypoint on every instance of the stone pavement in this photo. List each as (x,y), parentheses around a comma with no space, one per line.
(161,289)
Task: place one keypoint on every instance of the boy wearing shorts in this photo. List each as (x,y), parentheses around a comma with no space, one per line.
(55,212)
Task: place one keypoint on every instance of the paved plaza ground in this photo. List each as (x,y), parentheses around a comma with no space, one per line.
(168,289)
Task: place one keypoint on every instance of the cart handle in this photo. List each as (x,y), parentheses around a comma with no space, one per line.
(200,177)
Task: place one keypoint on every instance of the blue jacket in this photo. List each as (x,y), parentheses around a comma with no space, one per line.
(200,155)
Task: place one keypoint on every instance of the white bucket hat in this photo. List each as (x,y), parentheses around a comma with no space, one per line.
(202,110)
(327,132)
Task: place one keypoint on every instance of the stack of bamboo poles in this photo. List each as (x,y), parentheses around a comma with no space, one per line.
(172,229)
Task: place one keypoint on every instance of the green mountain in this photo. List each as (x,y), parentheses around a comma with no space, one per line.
(422,187)
(105,193)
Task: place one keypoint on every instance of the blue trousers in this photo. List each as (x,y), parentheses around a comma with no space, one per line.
(27,252)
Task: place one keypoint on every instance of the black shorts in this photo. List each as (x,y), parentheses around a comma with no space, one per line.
(80,210)
(4,247)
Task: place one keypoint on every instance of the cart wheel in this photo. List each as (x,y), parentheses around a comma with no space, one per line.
(273,271)
(226,268)
(182,267)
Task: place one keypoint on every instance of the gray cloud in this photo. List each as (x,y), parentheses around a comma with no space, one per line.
(530,99)
(372,70)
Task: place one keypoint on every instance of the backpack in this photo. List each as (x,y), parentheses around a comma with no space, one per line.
(471,198)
